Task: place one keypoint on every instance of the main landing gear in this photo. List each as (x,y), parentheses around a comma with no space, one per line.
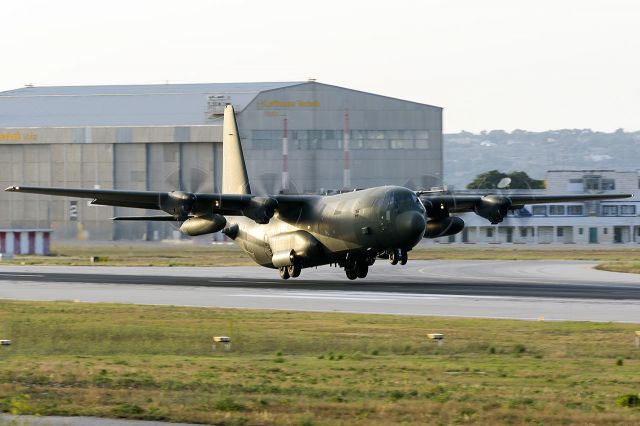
(291,271)
(358,268)
(398,255)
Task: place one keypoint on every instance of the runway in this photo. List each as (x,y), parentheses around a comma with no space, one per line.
(558,290)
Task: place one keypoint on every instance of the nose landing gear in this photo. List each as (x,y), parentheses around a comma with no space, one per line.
(398,255)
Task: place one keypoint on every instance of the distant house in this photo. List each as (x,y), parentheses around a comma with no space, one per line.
(593,222)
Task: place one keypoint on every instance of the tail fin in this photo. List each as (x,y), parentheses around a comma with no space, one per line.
(234,171)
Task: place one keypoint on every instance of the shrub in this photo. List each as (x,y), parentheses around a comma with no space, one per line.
(228,404)
(629,400)
(307,421)
(128,410)
(20,405)
(519,349)
(396,395)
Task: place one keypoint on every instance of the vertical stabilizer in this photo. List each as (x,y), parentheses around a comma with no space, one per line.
(234,171)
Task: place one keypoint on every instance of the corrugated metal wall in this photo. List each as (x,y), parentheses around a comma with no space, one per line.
(392,142)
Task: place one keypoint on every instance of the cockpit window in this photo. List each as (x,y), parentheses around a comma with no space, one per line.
(404,199)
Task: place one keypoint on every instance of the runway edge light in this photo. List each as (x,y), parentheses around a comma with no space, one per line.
(225,340)
(436,337)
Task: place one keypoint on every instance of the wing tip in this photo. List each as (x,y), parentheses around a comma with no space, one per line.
(13,188)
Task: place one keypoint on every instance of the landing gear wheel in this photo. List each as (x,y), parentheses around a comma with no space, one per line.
(284,273)
(394,257)
(362,269)
(294,270)
(404,256)
(352,274)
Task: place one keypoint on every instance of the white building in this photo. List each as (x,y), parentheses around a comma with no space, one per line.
(596,222)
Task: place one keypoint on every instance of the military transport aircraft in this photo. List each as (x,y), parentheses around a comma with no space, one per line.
(292,232)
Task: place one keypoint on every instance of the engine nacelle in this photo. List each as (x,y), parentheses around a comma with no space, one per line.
(177,203)
(261,209)
(283,258)
(299,244)
(437,228)
(203,225)
(493,208)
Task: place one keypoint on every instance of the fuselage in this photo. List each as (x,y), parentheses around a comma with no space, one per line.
(330,229)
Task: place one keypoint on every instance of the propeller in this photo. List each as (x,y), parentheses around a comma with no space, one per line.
(180,201)
(271,184)
(194,181)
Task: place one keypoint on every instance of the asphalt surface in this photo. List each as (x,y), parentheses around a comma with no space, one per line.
(557,290)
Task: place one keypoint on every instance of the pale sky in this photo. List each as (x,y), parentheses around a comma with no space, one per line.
(492,64)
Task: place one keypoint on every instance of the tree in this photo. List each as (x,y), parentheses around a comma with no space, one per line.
(519,180)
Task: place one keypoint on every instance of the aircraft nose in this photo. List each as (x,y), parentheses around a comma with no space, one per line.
(411,227)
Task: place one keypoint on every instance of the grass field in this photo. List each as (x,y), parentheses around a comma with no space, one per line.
(183,254)
(294,368)
(615,259)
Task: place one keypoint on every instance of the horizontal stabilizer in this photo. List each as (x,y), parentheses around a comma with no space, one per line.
(153,218)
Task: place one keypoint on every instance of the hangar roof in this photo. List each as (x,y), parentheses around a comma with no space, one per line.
(122,105)
(145,89)
(133,105)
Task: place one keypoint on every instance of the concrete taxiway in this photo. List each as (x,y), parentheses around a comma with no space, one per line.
(555,290)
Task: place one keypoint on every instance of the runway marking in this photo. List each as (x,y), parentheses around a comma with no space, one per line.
(366,296)
(286,296)
(21,275)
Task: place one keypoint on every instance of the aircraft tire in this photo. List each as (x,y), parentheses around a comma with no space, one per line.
(404,257)
(284,273)
(294,270)
(393,257)
(362,269)
(352,274)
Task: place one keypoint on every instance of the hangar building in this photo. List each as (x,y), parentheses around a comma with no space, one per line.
(167,137)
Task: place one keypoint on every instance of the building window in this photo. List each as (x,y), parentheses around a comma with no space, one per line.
(608,184)
(605,231)
(575,185)
(628,210)
(489,232)
(609,211)
(580,231)
(539,210)
(592,183)
(556,210)
(523,232)
(575,210)
(560,232)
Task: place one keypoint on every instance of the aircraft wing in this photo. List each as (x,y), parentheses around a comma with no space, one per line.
(494,207)
(180,205)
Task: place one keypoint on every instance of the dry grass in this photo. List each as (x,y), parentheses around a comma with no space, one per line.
(524,252)
(629,267)
(120,254)
(294,368)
